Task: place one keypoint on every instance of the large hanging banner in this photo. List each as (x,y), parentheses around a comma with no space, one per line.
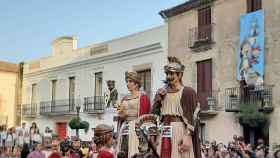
(251,52)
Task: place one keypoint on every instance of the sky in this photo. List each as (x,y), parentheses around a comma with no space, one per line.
(28,27)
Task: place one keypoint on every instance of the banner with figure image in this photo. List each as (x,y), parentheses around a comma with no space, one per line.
(251,53)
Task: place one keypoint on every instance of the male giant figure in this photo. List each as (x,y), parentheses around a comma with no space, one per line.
(177,106)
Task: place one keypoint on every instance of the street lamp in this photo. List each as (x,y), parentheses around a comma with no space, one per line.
(78,107)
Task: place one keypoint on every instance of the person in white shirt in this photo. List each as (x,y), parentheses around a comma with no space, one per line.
(20,139)
(36,137)
(4,135)
(9,139)
(26,134)
(1,144)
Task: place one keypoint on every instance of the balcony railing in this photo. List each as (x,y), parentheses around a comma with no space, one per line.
(29,110)
(260,96)
(201,37)
(208,102)
(66,106)
(94,105)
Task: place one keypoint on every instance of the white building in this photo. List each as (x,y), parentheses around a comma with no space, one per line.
(54,86)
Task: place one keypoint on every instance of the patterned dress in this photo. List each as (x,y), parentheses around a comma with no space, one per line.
(128,140)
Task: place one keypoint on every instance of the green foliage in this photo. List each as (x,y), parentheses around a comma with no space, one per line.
(76,123)
(85,126)
(249,116)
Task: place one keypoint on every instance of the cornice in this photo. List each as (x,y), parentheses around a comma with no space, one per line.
(145,50)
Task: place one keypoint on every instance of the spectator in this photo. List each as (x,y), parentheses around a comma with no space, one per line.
(26,133)
(65,147)
(4,136)
(76,151)
(20,139)
(25,151)
(37,153)
(9,139)
(277,154)
(260,153)
(55,148)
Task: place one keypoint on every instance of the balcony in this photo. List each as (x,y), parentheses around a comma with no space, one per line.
(260,96)
(201,38)
(208,103)
(94,105)
(59,107)
(29,110)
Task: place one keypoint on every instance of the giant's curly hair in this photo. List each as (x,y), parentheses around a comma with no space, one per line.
(172,59)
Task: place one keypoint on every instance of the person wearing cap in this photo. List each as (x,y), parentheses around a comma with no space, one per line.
(178,107)
(103,138)
(136,104)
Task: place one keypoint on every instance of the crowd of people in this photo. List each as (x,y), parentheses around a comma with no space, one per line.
(29,143)
(237,148)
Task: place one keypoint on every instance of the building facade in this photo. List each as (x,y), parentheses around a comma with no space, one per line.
(10,92)
(207,35)
(53,87)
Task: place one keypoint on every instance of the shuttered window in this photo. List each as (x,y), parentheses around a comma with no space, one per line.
(204,82)
(204,23)
(253,5)
(53,90)
(34,94)
(98,84)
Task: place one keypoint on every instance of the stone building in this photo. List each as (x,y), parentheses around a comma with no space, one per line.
(207,36)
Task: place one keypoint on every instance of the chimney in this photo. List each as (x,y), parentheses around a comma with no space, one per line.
(64,45)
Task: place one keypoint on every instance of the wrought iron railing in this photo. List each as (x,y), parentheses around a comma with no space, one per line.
(260,96)
(29,110)
(94,104)
(208,100)
(199,36)
(59,106)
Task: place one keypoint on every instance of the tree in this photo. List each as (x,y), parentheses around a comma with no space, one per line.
(249,116)
(77,124)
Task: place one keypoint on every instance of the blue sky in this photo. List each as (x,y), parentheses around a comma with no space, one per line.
(27,27)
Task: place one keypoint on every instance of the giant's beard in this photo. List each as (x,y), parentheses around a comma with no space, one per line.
(168,81)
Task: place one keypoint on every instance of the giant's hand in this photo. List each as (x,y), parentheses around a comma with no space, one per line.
(185,144)
(122,109)
(160,94)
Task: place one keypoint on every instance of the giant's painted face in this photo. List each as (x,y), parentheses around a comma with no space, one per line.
(111,84)
(172,77)
(131,85)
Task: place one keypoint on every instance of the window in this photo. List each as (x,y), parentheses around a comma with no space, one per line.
(98,84)
(202,132)
(71,88)
(204,82)
(34,94)
(145,76)
(53,90)
(204,23)
(253,5)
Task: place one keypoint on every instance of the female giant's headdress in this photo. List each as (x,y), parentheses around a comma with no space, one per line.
(134,77)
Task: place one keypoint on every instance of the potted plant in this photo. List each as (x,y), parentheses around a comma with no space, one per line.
(249,116)
(77,124)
